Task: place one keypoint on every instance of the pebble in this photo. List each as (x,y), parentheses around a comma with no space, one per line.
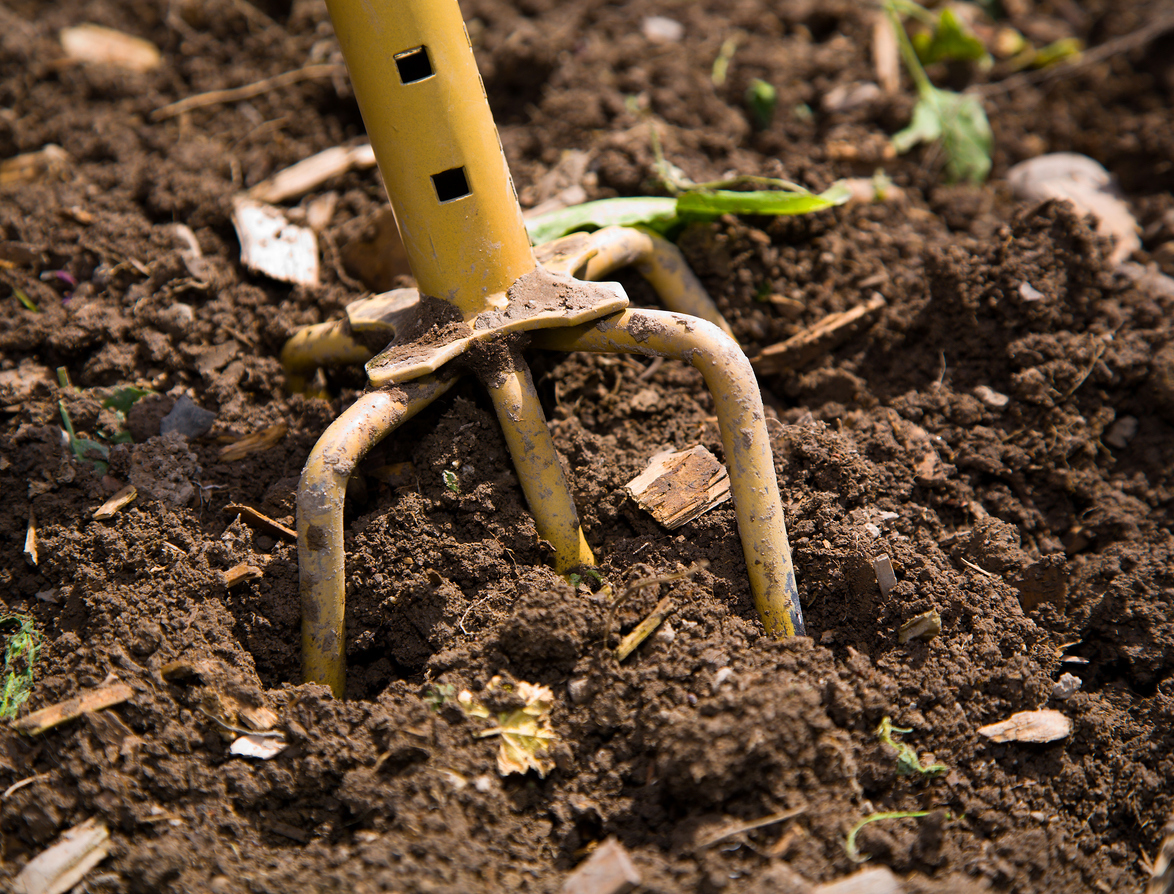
(578,690)
(607,871)
(1066,687)
(1122,432)
(662,29)
(870,881)
(188,419)
(991,398)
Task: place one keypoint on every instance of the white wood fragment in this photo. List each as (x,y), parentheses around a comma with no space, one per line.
(885,577)
(607,871)
(119,501)
(886,54)
(262,747)
(271,245)
(1029,726)
(95,44)
(67,862)
(677,487)
(308,174)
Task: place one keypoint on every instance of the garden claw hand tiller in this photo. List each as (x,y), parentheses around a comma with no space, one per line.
(478,279)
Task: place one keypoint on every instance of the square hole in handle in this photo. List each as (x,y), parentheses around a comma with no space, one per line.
(451,184)
(414,65)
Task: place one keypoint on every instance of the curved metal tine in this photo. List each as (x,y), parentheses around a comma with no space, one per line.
(592,256)
(321,495)
(738,403)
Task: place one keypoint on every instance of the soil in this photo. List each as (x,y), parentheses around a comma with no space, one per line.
(1008,447)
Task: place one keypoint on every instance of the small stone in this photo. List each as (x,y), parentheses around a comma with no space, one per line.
(579,690)
(666,634)
(991,398)
(662,29)
(870,881)
(607,871)
(723,674)
(187,418)
(483,784)
(872,530)
(1122,432)
(1028,292)
(1066,687)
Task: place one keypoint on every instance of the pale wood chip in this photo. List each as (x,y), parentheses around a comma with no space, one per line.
(116,503)
(241,573)
(254,443)
(104,696)
(1029,726)
(95,44)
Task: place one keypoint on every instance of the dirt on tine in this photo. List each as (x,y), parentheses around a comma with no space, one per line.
(1001,430)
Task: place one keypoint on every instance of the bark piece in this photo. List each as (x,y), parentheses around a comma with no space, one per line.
(310,173)
(241,573)
(261,522)
(254,443)
(679,486)
(271,245)
(607,871)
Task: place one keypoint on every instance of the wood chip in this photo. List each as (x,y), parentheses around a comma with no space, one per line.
(30,538)
(886,54)
(105,46)
(66,863)
(885,576)
(1029,726)
(254,443)
(116,503)
(679,486)
(105,696)
(261,747)
(242,573)
(825,336)
(607,871)
(869,881)
(50,161)
(261,522)
(309,174)
(271,245)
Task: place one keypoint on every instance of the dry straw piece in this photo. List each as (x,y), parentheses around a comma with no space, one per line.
(105,46)
(1029,726)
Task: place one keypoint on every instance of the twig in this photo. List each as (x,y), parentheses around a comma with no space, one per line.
(977,568)
(644,629)
(17,786)
(1123,44)
(247,91)
(750,826)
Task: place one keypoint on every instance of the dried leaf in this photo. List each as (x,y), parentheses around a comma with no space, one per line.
(104,696)
(1029,726)
(262,747)
(526,733)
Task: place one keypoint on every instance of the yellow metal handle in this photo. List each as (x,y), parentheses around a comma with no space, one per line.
(438,150)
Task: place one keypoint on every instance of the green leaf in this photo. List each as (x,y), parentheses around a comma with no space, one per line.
(951,42)
(655,212)
(958,120)
(25,300)
(765,202)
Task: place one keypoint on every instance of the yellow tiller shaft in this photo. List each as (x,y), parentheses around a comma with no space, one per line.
(438,150)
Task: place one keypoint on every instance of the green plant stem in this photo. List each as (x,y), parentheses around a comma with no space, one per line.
(850,845)
(908,54)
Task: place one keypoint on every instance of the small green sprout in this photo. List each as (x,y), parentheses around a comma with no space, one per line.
(450,481)
(761,98)
(950,40)
(20,657)
(84,448)
(440,695)
(957,120)
(908,763)
(721,65)
(850,845)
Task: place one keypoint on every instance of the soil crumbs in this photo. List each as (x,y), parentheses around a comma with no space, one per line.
(1003,434)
